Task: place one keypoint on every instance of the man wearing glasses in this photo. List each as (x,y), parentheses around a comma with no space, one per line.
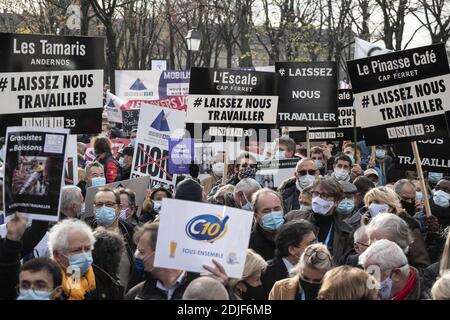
(305,174)
(332,231)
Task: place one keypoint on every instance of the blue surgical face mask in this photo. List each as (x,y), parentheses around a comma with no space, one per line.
(157,205)
(385,289)
(341,174)
(441,198)
(435,177)
(419,196)
(273,221)
(280,155)
(105,215)
(81,260)
(99,181)
(346,206)
(139,264)
(248,205)
(380,153)
(33,295)
(305,181)
(319,164)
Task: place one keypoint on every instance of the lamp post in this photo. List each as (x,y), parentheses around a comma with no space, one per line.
(193,40)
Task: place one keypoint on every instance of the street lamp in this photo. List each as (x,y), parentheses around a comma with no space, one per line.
(193,40)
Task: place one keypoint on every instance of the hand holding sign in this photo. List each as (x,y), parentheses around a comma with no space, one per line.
(217,272)
(16,227)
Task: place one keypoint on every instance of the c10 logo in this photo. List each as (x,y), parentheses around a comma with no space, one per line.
(207,227)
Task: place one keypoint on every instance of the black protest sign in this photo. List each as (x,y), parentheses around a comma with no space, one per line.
(232,98)
(308,94)
(34,171)
(434,154)
(51,81)
(130,119)
(402,96)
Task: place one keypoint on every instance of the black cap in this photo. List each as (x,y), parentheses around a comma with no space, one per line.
(190,190)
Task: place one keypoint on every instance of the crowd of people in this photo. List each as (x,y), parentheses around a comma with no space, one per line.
(347,225)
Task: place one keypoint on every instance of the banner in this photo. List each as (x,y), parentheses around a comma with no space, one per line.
(402,96)
(202,232)
(231,100)
(151,85)
(308,94)
(130,119)
(270,174)
(34,171)
(151,154)
(51,81)
(181,153)
(434,154)
(139,186)
(366,49)
(71,163)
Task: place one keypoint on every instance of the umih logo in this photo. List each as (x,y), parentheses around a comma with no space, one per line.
(207,227)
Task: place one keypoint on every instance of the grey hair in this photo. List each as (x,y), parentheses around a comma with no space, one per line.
(247,184)
(360,233)
(384,254)
(205,288)
(392,227)
(92,164)
(58,235)
(313,260)
(69,196)
(398,186)
(288,142)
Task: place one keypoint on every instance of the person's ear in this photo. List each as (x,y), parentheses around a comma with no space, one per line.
(291,250)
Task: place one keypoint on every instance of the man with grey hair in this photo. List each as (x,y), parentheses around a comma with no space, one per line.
(242,195)
(305,174)
(95,177)
(406,190)
(205,288)
(71,202)
(286,148)
(387,262)
(360,244)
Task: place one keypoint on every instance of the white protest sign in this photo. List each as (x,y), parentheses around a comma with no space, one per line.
(200,232)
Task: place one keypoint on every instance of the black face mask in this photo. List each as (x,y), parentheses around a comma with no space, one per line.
(409,207)
(253,293)
(311,289)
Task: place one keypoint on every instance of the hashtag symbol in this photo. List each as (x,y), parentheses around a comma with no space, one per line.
(198,102)
(281,71)
(3,83)
(365,102)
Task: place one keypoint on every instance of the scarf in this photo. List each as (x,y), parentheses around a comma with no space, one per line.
(75,290)
(408,288)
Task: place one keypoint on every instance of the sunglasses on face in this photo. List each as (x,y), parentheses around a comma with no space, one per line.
(305,172)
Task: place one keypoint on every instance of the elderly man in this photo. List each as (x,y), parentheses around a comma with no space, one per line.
(360,244)
(71,242)
(95,176)
(242,195)
(206,288)
(406,190)
(305,174)
(72,202)
(331,230)
(268,211)
(398,280)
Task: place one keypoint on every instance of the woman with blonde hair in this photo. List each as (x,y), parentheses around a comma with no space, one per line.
(315,261)
(439,268)
(441,288)
(347,283)
(384,200)
(254,266)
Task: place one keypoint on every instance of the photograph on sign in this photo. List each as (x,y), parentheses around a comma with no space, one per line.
(71,163)
(43,87)
(270,174)
(308,94)
(201,232)
(34,171)
(402,96)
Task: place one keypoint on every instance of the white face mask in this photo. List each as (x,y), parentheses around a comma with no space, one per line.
(319,164)
(218,168)
(321,206)
(305,181)
(157,206)
(375,209)
(341,174)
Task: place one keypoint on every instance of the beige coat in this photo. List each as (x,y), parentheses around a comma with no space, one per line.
(286,289)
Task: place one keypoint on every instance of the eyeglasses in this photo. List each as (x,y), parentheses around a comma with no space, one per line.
(245,165)
(315,253)
(304,172)
(106,204)
(324,196)
(362,244)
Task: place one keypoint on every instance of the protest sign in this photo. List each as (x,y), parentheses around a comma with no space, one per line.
(138,185)
(402,96)
(366,49)
(71,163)
(308,94)
(271,173)
(130,119)
(231,103)
(51,81)
(151,85)
(34,171)
(434,154)
(201,232)
(181,153)
(151,154)
(114,106)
